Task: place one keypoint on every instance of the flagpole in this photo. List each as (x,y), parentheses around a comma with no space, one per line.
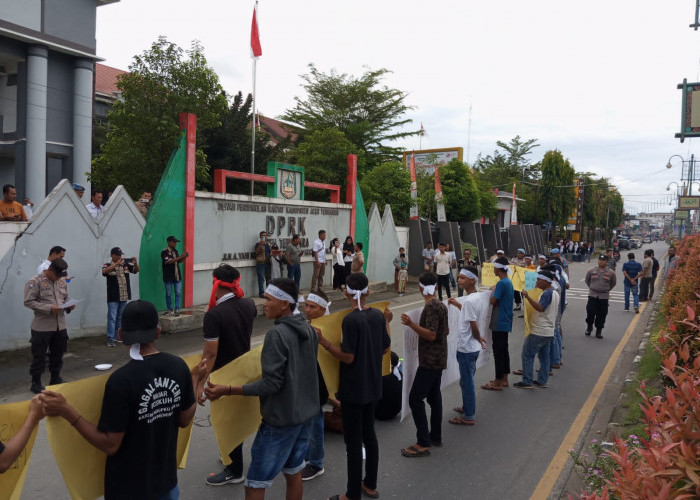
(252,149)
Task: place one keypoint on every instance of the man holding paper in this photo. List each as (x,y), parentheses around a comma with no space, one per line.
(46,294)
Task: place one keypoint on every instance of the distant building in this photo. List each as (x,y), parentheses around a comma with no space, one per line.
(278,130)
(47,60)
(106,91)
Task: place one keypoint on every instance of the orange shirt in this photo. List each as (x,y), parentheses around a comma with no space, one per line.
(11,209)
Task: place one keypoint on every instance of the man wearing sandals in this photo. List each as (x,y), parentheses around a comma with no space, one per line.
(469,343)
(501,324)
(432,331)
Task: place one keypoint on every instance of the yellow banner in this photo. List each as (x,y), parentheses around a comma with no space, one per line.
(81,464)
(185,434)
(12,417)
(488,277)
(234,418)
(517,276)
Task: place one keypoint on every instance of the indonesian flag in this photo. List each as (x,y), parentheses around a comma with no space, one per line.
(422,130)
(255,46)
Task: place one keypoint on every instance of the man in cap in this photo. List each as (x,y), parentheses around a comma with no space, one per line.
(145,403)
(542,331)
(172,274)
(79,189)
(45,294)
(117,272)
(227,327)
(600,280)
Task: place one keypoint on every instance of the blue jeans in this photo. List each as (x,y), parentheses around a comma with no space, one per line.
(635,293)
(536,345)
(294,273)
(316,446)
(467,369)
(260,269)
(275,450)
(555,349)
(173,494)
(169,286)
(114,317)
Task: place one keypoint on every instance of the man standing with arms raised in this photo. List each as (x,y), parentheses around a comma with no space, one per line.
(172,274)
(227,326)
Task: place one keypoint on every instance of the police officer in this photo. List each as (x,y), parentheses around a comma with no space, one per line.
(45,293)
(600,281)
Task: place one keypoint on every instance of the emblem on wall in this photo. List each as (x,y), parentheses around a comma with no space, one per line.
(288,184)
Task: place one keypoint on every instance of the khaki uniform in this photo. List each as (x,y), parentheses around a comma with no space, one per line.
(48,329)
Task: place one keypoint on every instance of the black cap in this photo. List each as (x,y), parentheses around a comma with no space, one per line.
(59,266)
(116,251)
(139,322)
(602,256)
(173,238)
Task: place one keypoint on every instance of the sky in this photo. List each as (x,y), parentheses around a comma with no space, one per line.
(594,79)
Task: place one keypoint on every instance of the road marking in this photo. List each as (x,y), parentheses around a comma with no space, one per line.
(555,467)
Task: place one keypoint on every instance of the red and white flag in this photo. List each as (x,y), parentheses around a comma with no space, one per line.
(422,130)
(255,47)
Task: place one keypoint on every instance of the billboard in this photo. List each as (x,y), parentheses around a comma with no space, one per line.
(427,159)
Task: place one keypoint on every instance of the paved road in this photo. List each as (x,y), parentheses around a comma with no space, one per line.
(502,457)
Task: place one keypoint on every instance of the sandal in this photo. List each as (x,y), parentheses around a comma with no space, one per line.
(413,452)
(461,421)
(366,492)
(489,387)
(458,409)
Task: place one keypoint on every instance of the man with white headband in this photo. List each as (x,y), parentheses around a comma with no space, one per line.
(141,416)
(469,343)
(317,305)
(501,324)
(432,330)
(542,331)
(227,328)
(288,392)
(365,340)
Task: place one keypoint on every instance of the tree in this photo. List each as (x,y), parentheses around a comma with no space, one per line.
(368,113)
(556,187)
(459,191)
(323,154)
(389,183)
(162,83)
(228,146)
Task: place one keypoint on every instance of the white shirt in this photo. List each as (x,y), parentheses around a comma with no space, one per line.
(428,253)
(443,263)
(320,249)
(28,210)
(94,211)
(43,266)
(338,257)
(472,310)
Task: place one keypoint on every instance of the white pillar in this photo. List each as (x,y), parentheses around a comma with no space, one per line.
(82,121)
(37,85)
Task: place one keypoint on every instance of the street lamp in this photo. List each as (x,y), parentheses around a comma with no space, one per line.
(691,165)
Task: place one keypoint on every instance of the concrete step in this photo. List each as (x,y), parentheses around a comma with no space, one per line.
(192,318)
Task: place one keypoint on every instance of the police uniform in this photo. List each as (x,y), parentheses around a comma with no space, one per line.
(48,329)
(600,282)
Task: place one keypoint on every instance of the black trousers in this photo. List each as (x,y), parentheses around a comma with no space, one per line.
(517,298)
(644,288)
(501,357)
(236,465)
(358,428)
(596,312)
(443,280)
(426,385)
(651,287)
(56,342)
(338,275)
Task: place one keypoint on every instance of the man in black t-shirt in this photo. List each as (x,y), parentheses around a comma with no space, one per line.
(172,274)
(365,340)
(117,272)
(145,403)
(228,326)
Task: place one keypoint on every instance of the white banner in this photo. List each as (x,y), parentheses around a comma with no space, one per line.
(451,373)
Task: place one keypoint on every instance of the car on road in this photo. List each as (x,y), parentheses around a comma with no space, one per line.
(623,244)
(646,239)
(635,243)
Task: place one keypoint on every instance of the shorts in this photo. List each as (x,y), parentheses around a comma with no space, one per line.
(275,450)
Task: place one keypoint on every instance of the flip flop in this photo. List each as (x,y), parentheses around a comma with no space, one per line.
(413,452)
(489,387)
(517,372)
(367,493)
(458,409)
(460,421)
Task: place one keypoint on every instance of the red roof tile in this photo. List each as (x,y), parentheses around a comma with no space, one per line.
(106,79)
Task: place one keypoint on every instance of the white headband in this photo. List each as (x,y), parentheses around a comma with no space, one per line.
(542,257)
(543,277)
(503,266)
(428,289)
(468,274)
(356,294)
(319,300)
(279,294)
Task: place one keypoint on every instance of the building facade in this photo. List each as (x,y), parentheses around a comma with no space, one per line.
(47,60)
